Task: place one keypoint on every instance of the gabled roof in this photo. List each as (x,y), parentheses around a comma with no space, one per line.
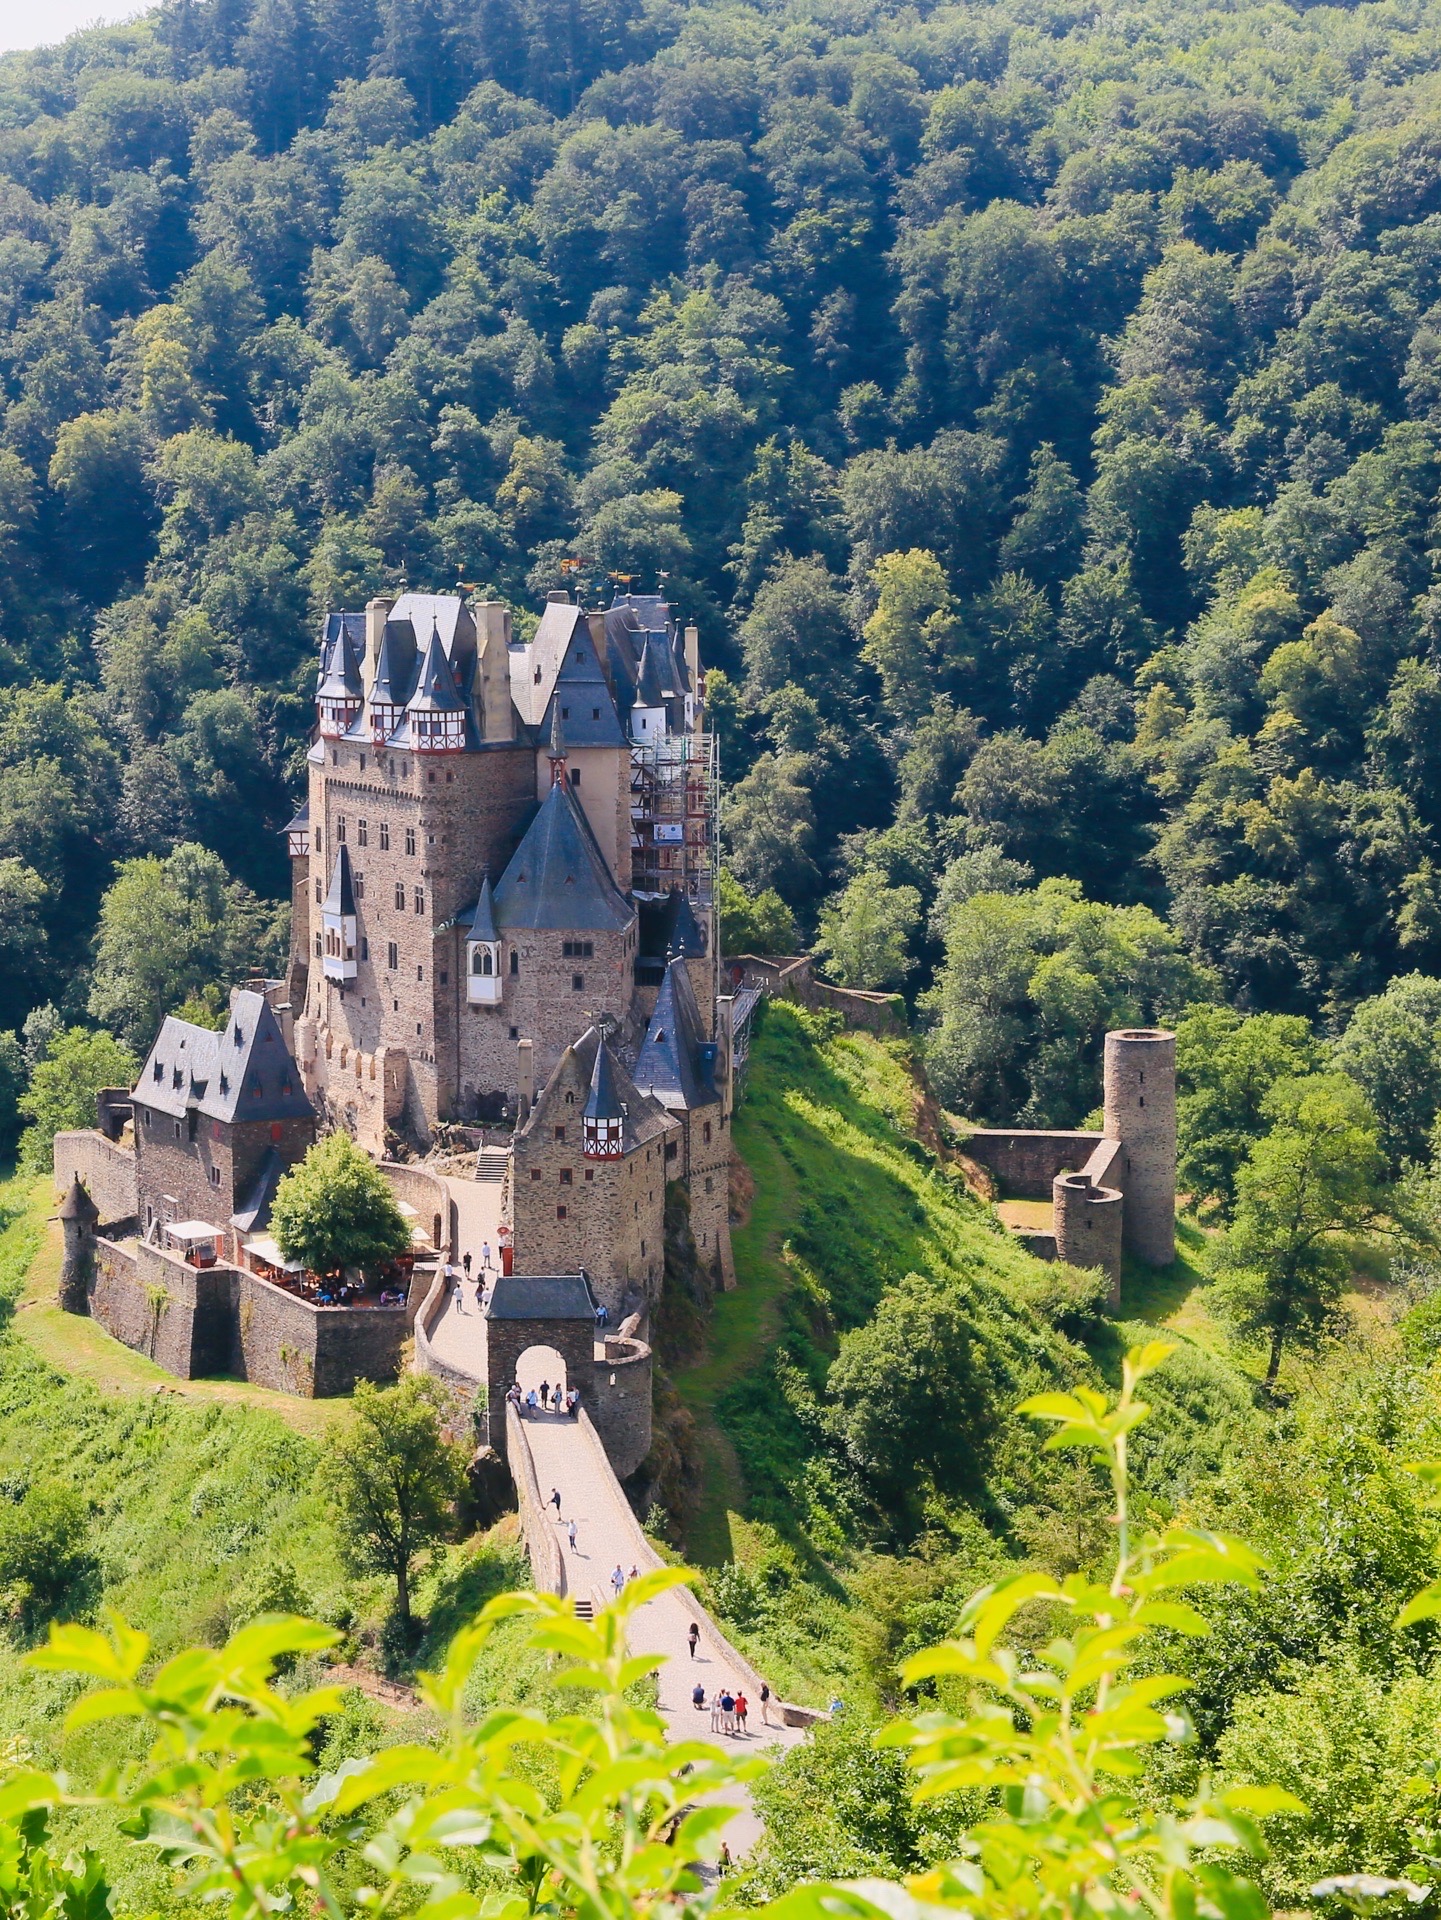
(558,877)
(668,925)
(341,897)
(534,668)
(581,699)
(445,613)
(245,1072)
(676,1065)
(654,678)
(299,820)
(435,689)
(593,1064)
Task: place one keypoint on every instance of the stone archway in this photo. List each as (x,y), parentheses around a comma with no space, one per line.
(542,1365)
(525,1314)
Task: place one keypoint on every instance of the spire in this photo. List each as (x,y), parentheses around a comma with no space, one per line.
(435,690)
(482,927)
(78,1205)
(340,679)
(557,746)
(341,897)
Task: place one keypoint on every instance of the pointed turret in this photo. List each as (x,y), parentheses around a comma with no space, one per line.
(394,666)
(557,747)
(340,693)
(484,985)
(341,897)
(482,927)
(436,710)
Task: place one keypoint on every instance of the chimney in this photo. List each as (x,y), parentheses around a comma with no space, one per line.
(557,597)
(494,714)
(376,614)
(692,659)
(525,1081)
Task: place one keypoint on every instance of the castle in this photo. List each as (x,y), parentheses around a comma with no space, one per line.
(504,934)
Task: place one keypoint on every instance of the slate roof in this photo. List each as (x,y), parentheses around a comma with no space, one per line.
(516,1296)
(300,820)
(482,917)
(394,664)
(245,1072)
(341,897)
(435,689)
(340,659)
(598,1067)
(669,925)
(676,1064)
(535,668)
(603,1102)
(581,700)
(558,877)
(446,613)
(253,1214)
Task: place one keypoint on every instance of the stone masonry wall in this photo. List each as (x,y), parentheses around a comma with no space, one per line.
(106,1168)
(174,1313)
(208,1174)
(621,1404)
(1026,1161)
(418,1187)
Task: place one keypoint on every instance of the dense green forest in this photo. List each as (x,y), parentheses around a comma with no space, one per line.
(1036,404)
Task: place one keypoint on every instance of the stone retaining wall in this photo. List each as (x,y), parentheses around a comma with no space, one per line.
(196,1322)
(547,1563)
(1025,1161)
(621,1403)
(106,1168)
(418,1187)
(793,978)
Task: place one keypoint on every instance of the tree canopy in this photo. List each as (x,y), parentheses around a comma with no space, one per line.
(335,1209)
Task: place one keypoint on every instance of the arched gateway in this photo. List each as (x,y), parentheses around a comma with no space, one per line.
(527,1311)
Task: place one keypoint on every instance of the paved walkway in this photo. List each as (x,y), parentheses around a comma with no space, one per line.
(458,1336)
(605,1539)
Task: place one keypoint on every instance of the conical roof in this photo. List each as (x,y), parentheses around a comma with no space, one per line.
(435,690)
(557,733)
(558,877)
(341,897)
(77,1204)
(340,675)
(482,924)
(604,1101)
(394,664)
(654,681)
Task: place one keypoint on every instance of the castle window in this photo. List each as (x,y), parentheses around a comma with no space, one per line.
(362,832)
(410,839)
(432,776)
(595,713)
(535,1173)
(577,983)
(318,950)
(420,973)
(362,763)
(400,896)
(319,894)
(364,953)
(560,1135)
(577,949)
(317,840)
(215,1176)
(444,978)
(570,1099)
(709,1184)
(360,886)
(514,967)
(159,1070)
(420,899)
(449,777)
(482,961)
(560,1213)
(385,836)
(575,776)
(177,1129)
(565,1179)
(671,1150)
(705,1132)
(515,1033)
(392,956)
(590,1173)
(340,830)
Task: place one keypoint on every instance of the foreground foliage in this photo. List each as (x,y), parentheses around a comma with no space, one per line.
(1048,1748)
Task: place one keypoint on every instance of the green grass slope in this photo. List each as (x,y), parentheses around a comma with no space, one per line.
(809,1563)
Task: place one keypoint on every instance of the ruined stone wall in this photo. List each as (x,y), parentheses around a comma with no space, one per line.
(1025,1161)
(106,1169)
(418,1187)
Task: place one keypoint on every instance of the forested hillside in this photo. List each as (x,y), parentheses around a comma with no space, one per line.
(1036,404)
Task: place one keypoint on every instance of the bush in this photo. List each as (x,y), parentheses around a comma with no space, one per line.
(43,1547)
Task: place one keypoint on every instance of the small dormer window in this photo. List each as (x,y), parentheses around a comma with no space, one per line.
(159,1069)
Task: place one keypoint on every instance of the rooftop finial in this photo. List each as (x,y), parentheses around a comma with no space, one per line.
(557,746)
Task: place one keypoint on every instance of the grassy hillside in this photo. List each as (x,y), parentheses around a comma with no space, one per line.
(813,1562)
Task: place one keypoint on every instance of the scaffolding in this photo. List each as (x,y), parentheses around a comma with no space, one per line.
(675,817)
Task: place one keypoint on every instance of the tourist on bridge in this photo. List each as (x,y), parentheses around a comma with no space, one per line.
(572,1536)
(544,1392)
(465,1262)
(742,1709)
(557,1396)
(765,1704)
(692,1636)
(555,1500)
(617,1580)
(697,1696)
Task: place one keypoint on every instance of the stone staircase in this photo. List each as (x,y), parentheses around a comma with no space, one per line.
(491,1163)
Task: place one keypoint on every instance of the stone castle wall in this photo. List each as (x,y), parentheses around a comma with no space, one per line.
(418,1187)
(1025,1161)
(621,1404)
(207,1175)
(104,1167)
(197,1322)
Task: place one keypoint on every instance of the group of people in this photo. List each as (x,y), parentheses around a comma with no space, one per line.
(727,1710)
(459,1278)
(545,1399)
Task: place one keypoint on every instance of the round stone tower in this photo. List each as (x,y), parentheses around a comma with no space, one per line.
(1140,1110)
(1086,1220)
(78,1217)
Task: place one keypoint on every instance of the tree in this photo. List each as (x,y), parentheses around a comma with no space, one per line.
(62,1089)
(1392,1050)
(914,1395)
(760,923)
(770,827)
(396,1487)
(913,633)
(866,931)
(42,1545)
(335,1209)
(173,927)
(1314,1176)
(1226,1065)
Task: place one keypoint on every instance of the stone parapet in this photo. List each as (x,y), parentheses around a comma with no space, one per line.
(1026,1160)
(105,1168)
(547,1563)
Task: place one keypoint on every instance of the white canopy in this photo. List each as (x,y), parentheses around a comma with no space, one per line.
(187,1232)
(268,1250)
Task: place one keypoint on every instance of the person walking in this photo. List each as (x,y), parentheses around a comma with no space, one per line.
(572,1536)
(691,1637)
(557,1395)
(465,1262)
(544,1393)
(715,1712)
(725,1858)
(485,1255)
(617,1581)
(765,1704)
(530,1402)
(742,1709)
(555,1500)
